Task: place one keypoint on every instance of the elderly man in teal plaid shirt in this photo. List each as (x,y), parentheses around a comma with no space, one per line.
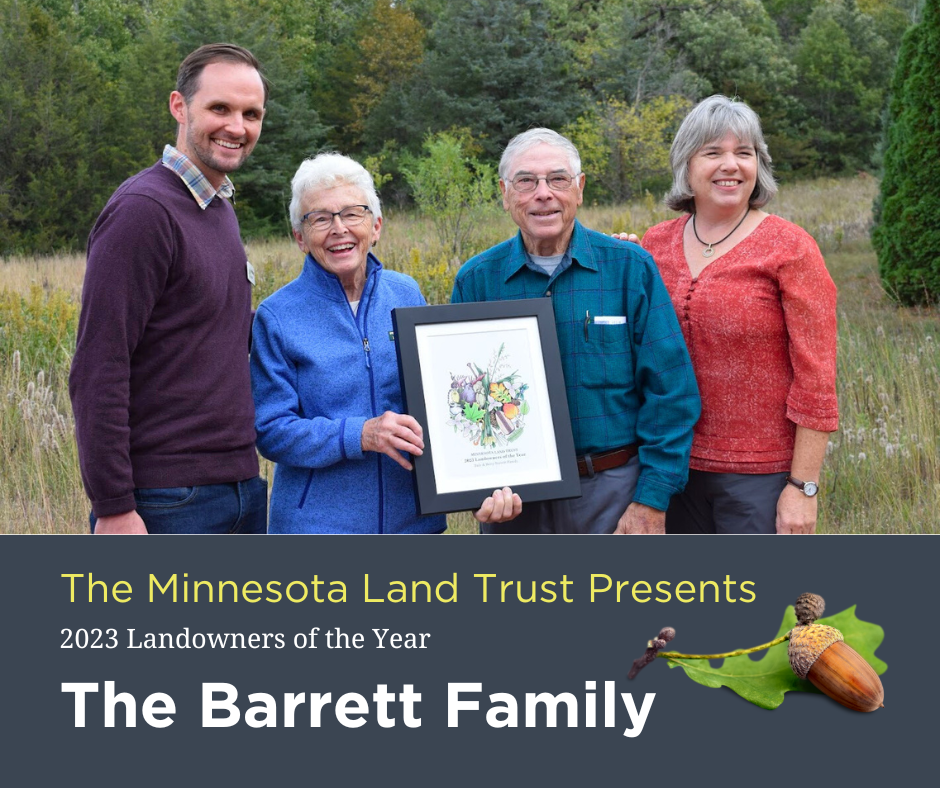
(631,390)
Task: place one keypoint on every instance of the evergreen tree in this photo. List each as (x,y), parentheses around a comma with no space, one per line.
(892,17)
(51,97)
(907,233)
(491,66)
(842,83)
(292,128)
(790,15)
(639,54)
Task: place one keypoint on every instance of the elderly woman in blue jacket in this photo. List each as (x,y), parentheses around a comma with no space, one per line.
(324,373)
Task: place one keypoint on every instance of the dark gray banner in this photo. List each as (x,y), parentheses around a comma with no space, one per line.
(245,677)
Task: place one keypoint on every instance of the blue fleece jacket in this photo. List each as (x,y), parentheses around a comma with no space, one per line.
(318,373)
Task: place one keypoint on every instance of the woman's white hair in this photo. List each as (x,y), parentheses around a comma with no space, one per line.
(710,120)
(529,139)
(326,171)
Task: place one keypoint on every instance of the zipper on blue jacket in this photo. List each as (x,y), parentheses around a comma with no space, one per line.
(303,498)
(366,347)
(360,321)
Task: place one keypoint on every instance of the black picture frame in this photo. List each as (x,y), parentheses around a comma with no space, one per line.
(423,338)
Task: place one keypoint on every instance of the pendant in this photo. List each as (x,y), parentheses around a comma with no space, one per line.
(708,251)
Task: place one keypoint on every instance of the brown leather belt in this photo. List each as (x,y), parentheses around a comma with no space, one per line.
(590,464)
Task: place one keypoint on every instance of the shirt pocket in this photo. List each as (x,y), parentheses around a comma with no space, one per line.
(606,359)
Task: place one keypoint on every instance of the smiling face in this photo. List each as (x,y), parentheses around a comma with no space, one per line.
(545,217)
(220,125)
(341,250)
(722,174)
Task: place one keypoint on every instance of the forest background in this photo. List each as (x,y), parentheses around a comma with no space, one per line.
(426,93)
(85,83)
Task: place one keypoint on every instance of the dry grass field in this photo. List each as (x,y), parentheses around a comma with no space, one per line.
(883,470)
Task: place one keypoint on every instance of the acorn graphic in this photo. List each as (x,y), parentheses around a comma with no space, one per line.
(820,654)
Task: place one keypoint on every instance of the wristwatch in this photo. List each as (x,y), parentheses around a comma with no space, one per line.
(809,489)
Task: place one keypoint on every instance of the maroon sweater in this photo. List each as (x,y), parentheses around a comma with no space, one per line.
(160,383)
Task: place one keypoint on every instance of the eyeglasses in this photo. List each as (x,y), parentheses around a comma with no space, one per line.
(323,220)
(557,182)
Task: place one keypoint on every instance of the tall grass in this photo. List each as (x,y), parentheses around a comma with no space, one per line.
(41,490)
(883,469)
(882,474)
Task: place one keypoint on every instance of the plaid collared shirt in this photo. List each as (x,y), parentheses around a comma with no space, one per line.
(195,181)
(627,371)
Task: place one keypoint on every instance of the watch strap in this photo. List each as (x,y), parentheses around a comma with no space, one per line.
(802,486)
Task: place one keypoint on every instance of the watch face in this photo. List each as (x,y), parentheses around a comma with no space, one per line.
(810,488)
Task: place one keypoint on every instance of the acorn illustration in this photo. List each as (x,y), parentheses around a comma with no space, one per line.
(820,654)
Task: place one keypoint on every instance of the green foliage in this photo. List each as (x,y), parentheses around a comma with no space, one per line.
(390,48)
(473,412)
(434,275)
(842,83)
(694,48)
(105,29)
(736,49)
(892,17)
(377,51)
(85,87)
(80,82)
(490,66)
(49,96)
(138,113)
(292,130)
(40,325)
(452,188)
(577,29)
(765,681)
(375,166)
(639,54)
(626,148)
(907,234)
(791,16)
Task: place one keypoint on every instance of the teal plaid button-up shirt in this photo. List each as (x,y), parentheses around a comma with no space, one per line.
(627,372)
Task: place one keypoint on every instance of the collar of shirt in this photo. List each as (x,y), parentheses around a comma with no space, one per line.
(579,251)
(197,183)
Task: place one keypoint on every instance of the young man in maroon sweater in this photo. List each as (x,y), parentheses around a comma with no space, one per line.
(160,382)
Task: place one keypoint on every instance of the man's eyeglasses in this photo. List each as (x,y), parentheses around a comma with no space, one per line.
(323,220)
(557,182)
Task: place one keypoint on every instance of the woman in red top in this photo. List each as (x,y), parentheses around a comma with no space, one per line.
(757,309)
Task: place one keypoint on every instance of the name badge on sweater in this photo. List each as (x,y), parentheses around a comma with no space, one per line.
(250,270)
(609,320)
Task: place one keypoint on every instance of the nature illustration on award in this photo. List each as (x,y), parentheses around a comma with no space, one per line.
(488,406)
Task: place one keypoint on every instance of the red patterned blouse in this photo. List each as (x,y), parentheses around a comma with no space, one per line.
(760,325)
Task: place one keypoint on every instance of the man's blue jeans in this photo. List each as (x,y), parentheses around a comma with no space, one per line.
(235,508)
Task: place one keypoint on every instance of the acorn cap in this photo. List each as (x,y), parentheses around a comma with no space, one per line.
(809,607)
(807,642)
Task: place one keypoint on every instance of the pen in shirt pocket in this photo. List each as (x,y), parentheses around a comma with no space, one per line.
(602,320)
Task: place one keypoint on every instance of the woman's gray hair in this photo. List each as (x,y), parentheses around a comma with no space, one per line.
(710,120)
(326,171)
(529,139)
